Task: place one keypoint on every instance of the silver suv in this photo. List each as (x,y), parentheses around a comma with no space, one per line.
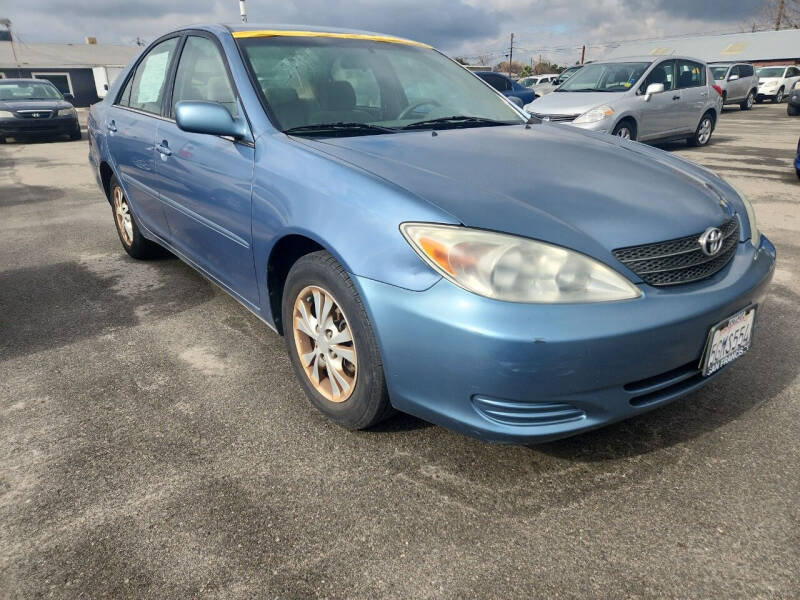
(642,98)
(738,82)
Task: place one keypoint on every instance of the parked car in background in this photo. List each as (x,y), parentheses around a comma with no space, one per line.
(534,80)
(775,82)
(793,105)
(648,98)
(738,82)
(35,108)
(508,87)
(459,277)
(542,89)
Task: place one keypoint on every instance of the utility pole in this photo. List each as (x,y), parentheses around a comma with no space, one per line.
(511,55)
(583,53)
(242,11)
(779,18)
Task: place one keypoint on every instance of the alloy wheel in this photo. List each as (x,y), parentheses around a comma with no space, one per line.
(750,100)
(779,97)
(624,133)
(122,214)
(324,343)
(705,131)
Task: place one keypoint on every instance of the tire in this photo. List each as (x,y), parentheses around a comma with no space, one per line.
(2,139)
(702,135)
(778,98)
(134,243)
(791,110)
(748,102)
(364,402)
(724,98)
(625,129)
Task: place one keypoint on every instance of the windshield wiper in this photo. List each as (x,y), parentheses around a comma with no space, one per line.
(340,127)
(455,121)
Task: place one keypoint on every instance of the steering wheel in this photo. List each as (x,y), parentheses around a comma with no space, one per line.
(417,104)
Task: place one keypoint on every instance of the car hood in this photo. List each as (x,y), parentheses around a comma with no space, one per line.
(763,80)
(34,105)
(571,103)
(587,191)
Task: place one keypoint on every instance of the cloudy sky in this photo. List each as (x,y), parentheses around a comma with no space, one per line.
(472,28)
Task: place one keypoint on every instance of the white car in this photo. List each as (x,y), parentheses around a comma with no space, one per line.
(534,80)
(775,82)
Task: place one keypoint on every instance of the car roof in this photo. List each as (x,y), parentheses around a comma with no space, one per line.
(649,59)
(24,80)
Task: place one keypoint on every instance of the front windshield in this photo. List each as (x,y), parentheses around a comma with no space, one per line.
(312,81)
(605,77)
(770,72)
(567,73)
(14,91)
(719,73)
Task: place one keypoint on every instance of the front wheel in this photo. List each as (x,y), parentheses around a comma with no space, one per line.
(331,343)
(625,130)
(702,134)
(778,97)
(791,110)
(748,102)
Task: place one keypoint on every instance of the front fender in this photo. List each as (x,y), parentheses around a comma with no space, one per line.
(298,189)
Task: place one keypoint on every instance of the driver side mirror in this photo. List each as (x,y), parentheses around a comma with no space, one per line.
(733,78)
(69,97)
(210,118)
(653,88)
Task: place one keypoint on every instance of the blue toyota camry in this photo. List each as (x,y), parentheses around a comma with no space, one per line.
(366,197)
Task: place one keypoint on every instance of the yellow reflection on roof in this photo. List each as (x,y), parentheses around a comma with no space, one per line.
(327,34)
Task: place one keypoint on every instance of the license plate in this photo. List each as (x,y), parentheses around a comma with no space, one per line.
(728,340)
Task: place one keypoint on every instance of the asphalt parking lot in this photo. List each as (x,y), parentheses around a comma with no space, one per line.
(154,442)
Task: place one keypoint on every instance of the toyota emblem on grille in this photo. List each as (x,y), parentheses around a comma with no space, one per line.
(711,241)
(35,115)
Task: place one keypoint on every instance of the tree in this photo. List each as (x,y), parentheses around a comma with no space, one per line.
(779,14)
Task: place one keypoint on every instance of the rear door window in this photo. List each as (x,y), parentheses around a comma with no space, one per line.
(145,89)
(691,74)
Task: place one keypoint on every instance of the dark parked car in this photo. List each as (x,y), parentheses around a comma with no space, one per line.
(508,87)
(793,107)
(31,107)
(797,160)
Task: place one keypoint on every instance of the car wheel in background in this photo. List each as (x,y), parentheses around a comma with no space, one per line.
(791,110)
(625,129)
(331,343)
(134,243)
(748,102)
(778,98)
(702,134)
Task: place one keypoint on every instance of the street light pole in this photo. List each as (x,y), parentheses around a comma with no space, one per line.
(242,11)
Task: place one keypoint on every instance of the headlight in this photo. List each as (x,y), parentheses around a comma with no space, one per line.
(755,234)
(594,115)
(66,112)
(4,114)
(515,269)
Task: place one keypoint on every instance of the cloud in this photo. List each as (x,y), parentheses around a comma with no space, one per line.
(556,29)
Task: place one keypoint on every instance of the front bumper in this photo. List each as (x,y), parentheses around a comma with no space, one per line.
(767,92)
(18,127)
(527,373)
(604,126)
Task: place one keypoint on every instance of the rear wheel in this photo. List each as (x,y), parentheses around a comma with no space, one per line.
(134,243)
(331,343)
(702,134)
(625,129)
(748,102)
(778,97)
(791,110)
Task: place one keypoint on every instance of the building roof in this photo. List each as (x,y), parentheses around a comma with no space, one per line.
(23,55)
(761,45)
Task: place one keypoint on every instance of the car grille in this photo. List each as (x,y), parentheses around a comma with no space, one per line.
(555,118)
(681,260)
(35,114)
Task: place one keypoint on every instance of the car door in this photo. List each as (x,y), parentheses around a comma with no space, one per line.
(660,115)
(740,86)
(792,76)
(693,93)
(131,125)
(205,180)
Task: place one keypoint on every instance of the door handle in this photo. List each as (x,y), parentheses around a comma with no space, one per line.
(163,149)
(111,126)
